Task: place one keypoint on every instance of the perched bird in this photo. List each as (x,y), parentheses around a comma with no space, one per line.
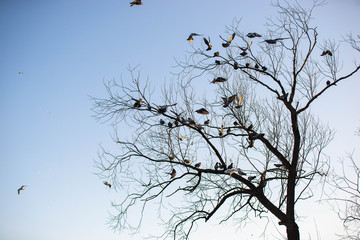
(328,82)
(162,122)
(21,188)
(283,97)
(228,130)
(187,161)
(173,173)
(198,165)
(216,54)
(170,125)
(221,130)
(191,37)
(217,62)
(256,66)
(274,41)
(217,166)
(243,53)
(239,103)
(172,157)
(250,178)
(326,52)
(247,65)
(162,109)
(264,68)
(202,111)
(255,136)
(191,122)
(208,44)
(278,165)
(228,42)
(137,103)
(136,2)
(107,184)
(207,122)
(182,138)
(218,80)
(228,100)
(231,166)
(234,170)
(236,123)
(176,123)
(149,107)
(236,65)
(253,35)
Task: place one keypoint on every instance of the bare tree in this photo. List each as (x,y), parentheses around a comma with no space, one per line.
(257,149)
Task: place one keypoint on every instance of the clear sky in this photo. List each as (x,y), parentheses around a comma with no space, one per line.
(66,49)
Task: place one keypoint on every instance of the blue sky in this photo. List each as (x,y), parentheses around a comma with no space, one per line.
(66,49)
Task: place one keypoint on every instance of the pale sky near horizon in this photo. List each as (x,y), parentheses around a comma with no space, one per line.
(66,50)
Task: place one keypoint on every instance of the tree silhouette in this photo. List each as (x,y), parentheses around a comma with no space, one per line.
(250,146)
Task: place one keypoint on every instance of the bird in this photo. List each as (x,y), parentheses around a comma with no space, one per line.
(264,68)
(107,184)
(182,138)
(191,122)
(136,2)
(208,44)
(283,97)
(202,111)
(328,82)
(231,166)
(172,157)
(239,103)
(207,122)
(162,122)
(173,173)
(236,123)
(162,109)
(187,161)
(243,53)
(250,178)
(236,65)
(170,125)
(221,130)
(191,37)
(228,100)
(176,123)
(218,80)
(198,165)
(274,41)
(247,65)
(250,127)
(228,42)
(217,62)
(256,66)
(278,165)
(137,103)
(216,54)
(255,136)
(20,73)
(234,170)
(21,188)
(326,52)
(251,144)
(253,35)
(216,167)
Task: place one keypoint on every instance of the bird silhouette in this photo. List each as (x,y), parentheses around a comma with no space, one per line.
(216,54)
(236,65)
(202,111)
(170,125)
(234,170)
(187,161)
(136,2)
(231,166)
(236,123)
(274,41)
(326,52)
(162,109)
(228,130)
(21,189)
(228,100)
(239,102)
(207,122)
(182,138)
(173,173)
(172,157)
(191,122)
(247,65)
(264,68)
(20,73)
(137,103)
(243,53)
(217,62)
(162,122)
(228,42)
(328,82)
(218,80)
(253,35)
(208,44)
(107,184)
(250,127)
(250,178)
(191,37)
(198,165)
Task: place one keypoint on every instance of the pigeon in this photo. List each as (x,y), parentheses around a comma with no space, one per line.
(136,2)
(198,165)
(202,111)
(21,189)
(228,100)
(173,173)
(274,41)
(182,138)
(208,44)
(231,166)
(107,184)
(225,45)
(218,80)
(137,103)
(191,37)
(326,52)
(253,35)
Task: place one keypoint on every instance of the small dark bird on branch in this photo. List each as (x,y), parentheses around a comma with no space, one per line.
(173,173)
(247,65)
(264,68)
(207,122)
(136,2)
(217,62)
(137,103)
(236,123)
(326,52)
(256,66)
(253,35)
(250,178)
(162,122)
(250,127)
(231,165)
(162,109)
(328,82)
(191,37)
(107,184)
(21,188)
(191,122)
(170,125)
(216,54)
(208,44)
(274,41)
(243,53)
(228,130)
(198,165)
(218,80)
(202,111)
(236,65)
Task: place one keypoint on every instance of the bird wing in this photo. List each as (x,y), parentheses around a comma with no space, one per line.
(240,99)
(231,38)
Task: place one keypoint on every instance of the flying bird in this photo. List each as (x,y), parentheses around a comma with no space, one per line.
(218,80)
(20,73)
(136,2)
(274,41)
(253,35)
(173,173)
(107,184)
(202,111)
(228,42)
(326,52)
(182,138)
(137,103)
(198,165)
(239,103)
(21,189)
(170,125)
(328,82)
(228,100)
(191,37)
(208,44)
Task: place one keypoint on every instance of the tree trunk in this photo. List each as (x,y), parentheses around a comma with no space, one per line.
(292,231)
